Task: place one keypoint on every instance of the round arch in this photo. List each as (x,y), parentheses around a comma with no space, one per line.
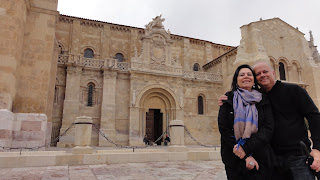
(161,101)
(89,47)
(160,89)
(284,60)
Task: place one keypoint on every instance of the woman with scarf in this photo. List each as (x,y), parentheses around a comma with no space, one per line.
(246,125)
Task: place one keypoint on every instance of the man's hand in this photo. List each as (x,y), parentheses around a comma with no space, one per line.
(239,151)
(221,99)
(251,163)
(316,162)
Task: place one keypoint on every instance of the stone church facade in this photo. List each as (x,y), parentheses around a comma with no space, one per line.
(134,81)
(131,81)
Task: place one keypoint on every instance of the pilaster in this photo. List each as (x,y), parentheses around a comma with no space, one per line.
(75,37)
(289,68)
(71,104)
(108,107)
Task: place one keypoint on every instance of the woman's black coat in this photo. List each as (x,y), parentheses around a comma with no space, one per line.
(257,145)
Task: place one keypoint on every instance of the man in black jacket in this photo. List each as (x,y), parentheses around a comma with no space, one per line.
(290,104)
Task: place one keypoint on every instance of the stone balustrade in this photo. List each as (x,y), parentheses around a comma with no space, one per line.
(138,66)
(92,63)
(205,76)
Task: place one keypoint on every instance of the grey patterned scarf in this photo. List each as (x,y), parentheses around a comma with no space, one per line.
(245,112)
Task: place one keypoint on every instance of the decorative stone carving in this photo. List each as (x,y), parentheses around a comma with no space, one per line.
(158,50)
(156,23)
(175,61)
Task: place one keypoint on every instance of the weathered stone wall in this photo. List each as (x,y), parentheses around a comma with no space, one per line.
(277,41)
(203,127)
(38,63)
(13,15)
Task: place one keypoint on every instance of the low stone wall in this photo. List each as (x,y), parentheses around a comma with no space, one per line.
(23,130)
(62,158)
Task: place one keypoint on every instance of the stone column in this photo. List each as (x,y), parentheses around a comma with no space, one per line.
(71,105)
(276,71)
(108,107)
(289,73)
(299,74)
(83,136)
(177,136)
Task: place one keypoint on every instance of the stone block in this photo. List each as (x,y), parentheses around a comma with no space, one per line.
(16,126)
(62,160)
(82,150)
(215,155)
(83,131)
(198,156)
(177,132)
(6,119)
(30,117)
(178,156)
(117,158)
(177,149)
(10,162)
(40,161)
(94,159)
(30,126)
(28,136)
(5,134)
(27,144)
(157,157)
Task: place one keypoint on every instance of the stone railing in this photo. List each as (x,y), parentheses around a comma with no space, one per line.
(204,76)
(122,66)
(92,63)
(156,68)
(138,66)
(62,59)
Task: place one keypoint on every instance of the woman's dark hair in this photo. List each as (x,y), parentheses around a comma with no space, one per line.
(235,76)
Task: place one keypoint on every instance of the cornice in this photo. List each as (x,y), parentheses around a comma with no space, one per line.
(44,11)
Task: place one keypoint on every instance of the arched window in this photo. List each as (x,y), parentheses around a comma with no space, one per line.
(196,67)
(88,53)
(119,57)
(282,71)
(90,94)
(200,105)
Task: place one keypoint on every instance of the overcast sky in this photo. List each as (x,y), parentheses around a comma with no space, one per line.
(217,21)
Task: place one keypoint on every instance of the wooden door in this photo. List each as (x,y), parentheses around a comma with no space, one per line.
(150,125)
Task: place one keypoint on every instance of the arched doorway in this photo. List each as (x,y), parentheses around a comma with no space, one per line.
(157,107)
(158,100)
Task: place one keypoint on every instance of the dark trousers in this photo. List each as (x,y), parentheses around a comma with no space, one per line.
(240,172)
(291,168)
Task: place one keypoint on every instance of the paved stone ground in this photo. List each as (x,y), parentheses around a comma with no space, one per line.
(183,170)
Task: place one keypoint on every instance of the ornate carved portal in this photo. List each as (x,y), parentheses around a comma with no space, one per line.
(156,106)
